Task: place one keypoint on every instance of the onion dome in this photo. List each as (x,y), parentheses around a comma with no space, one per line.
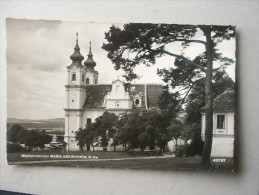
(90,63)
(76,57)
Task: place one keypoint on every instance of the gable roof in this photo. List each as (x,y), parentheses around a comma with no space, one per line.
(224,102)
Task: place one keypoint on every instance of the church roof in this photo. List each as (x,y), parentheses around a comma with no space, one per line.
(224,102)
(95,94)
(90,63)
(76,57)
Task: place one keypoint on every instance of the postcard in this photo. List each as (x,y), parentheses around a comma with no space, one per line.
(126,96)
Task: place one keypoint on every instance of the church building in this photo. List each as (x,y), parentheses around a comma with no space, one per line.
(86,99)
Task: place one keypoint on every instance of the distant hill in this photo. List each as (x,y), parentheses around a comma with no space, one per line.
(56,123)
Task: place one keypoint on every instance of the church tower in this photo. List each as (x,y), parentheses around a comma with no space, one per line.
(75,94)
(78,77)
(91,74)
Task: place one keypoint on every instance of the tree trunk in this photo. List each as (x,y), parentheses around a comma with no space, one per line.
(88,147)
(209,101)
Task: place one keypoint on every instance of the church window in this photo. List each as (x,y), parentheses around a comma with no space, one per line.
(73,77)
(137,101)
(117,88)
(220,121)
(72,141)
(87,81)
(95,81)
(88,121)
(83,77)
(72,100)
(117,104)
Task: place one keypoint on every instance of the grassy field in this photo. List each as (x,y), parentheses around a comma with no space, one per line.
(114,160)
(178,164)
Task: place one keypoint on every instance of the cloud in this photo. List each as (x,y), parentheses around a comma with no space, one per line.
(38,52)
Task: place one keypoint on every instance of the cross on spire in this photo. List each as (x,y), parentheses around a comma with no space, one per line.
(90,62)
(76,57)
(77,38)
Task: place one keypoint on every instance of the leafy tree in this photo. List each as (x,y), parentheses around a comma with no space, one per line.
(168,102)
(90,138)
(144,140)
(80,136)
(175,130)
(196,99)
(36,138)
(136,44)
(196,145)
(14,133)
(104,126)
(60,138)
(133,126)
(121,135)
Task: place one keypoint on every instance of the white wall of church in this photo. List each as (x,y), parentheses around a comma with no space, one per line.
(75,76)
(73,122)
(92,77)
(75,97)
(92,114)
(119,104)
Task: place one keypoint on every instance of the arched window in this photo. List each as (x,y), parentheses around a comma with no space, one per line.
(73,77)
(83,77)
(117,88)
(87,81)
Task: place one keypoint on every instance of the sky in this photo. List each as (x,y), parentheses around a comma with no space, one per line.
(38,52)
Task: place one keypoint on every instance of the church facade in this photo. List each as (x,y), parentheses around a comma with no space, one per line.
(86,99)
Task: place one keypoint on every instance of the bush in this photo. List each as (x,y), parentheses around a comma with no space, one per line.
(12,148)
(181,150)
(192,149)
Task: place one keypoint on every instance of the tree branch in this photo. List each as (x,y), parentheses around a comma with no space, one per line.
(189,41)
(185,59)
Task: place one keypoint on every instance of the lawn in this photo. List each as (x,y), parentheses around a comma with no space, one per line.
(179,164)
(114,160)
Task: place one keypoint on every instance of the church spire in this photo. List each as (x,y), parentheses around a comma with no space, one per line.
(90,63)
(76,57)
